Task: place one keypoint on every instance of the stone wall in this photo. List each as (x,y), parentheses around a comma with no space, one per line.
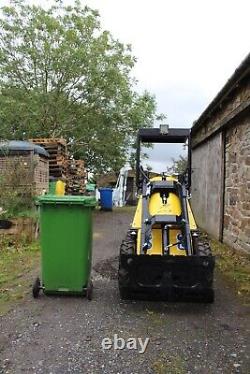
(237,186)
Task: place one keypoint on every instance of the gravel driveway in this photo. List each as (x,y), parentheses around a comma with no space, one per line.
(64,334)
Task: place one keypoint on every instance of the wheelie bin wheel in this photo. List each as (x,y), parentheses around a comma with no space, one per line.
(89,291)
(36,288)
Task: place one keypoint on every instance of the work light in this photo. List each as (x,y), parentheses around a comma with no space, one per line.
(164,128)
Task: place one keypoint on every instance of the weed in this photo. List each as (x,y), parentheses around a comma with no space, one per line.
(169,365)
(235,266)
(16,263)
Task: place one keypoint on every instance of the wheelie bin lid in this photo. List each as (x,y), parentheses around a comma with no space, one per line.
(89,201)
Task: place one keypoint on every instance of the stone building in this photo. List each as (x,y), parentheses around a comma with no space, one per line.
(220,141)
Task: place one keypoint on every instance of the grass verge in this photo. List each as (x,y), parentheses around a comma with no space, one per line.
(16,264)
(235,266)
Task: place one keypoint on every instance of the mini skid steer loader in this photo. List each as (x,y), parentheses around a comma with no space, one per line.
(163,256)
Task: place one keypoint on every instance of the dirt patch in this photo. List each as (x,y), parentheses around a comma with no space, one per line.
(107,268)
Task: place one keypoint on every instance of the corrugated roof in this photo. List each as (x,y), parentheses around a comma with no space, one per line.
(241,72)
(21,146)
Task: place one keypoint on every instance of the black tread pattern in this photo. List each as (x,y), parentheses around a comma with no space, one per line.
(203,248)
(36,288)
(127,247)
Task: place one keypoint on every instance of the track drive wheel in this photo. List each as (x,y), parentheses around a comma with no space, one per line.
(202,248)
(207,296)
(36,288)
(127,248)
(124,293)
(89,291)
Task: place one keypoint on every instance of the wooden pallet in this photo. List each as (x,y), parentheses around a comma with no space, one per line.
(49,141)
(76,177)
(57,150)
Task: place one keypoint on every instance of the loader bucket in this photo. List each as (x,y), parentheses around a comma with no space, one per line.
(172,278)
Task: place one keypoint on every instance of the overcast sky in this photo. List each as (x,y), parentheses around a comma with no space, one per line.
(186,50)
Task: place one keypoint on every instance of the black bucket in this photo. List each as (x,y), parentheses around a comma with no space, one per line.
(170,278)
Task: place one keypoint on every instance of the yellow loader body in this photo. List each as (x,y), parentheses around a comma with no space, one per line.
(156,207)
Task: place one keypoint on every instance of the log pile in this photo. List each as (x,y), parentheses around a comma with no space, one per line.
(57,149)
(76,177)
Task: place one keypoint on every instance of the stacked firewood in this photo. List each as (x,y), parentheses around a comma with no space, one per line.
(76,177)
(57,150)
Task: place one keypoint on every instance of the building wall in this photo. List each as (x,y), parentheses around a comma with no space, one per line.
(27,171)
(237,186)
(220,142)
(41,174)
(16,170)
(207,176)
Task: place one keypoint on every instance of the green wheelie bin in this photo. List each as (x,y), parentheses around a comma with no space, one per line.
(66,245)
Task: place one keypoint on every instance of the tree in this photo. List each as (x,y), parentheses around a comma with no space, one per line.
(62,75)
(178,166)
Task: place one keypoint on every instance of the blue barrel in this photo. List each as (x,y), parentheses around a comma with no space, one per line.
(106,198)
